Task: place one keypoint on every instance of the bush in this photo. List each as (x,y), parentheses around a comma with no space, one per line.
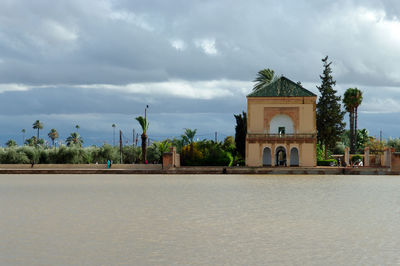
(329,162)
(205,153)
(356,157)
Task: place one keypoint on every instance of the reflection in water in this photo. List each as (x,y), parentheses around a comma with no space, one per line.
(199,220)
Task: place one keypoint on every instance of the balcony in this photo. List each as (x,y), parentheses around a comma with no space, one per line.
(261,137)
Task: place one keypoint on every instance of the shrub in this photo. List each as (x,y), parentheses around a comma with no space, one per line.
(329,162)
(356,157)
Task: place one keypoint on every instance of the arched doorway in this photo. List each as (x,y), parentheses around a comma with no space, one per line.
(280,156)
(267,157)
(294,157)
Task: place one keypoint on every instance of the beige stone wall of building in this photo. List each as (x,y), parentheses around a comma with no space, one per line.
(260,112)
(309,158)
(257,106)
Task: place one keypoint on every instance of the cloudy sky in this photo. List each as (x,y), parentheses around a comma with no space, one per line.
(99,62)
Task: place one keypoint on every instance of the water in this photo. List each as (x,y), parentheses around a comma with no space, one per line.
(199,220)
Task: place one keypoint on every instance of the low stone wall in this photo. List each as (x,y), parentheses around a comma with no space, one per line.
(82,166)
(396,161)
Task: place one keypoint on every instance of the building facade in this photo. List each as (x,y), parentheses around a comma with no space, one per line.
(281,125)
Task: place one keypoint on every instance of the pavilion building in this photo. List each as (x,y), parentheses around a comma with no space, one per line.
(281,125)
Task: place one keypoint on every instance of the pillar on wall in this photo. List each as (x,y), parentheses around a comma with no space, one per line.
(171,159)
(346,155)
(273,155)
(366,156)
(387,157)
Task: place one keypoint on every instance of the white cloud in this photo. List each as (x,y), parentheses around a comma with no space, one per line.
(207,45)
(59,32)
(178,44)
(182,89)
(381,106)
(132,18)
(13,87)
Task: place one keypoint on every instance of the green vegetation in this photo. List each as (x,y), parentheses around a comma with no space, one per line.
(240,136)
(74,140)
(144,124)
(330,123)
(53,135)
(352,100)
(328,162)
(69,155)
(263,78)
(37,125)
(356,157)
(394,143)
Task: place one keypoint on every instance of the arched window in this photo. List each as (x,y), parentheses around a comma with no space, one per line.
(281,124)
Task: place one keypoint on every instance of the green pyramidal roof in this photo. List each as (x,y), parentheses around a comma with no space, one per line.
(282,87)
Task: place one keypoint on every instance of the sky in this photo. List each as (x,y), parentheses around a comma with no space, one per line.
(95,63)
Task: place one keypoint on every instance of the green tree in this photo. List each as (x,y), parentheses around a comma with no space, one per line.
(31,141)
(394,143)
(74,139)
(145,126)
(263,78)
(37,125)
(330,123)
(53,135)
(240,133)
(11,143)
(77,127)
(188,138)
(159,148)
(352,100)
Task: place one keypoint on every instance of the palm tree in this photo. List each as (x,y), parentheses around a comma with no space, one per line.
(23,135)
(113,126)
(264,77)
(188,137)
(11,143)
(352,100)
(145,125)
(31,141)
(37,125)
(77,127)
(74,139)
(53,135)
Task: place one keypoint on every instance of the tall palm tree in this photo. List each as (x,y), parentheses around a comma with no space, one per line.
(145,126)
(113,126)
(53,135)
(352,100)
(23,135)
(74,139)
(264,77)
(37,125)
(77,127)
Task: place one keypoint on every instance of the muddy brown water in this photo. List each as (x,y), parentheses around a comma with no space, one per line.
(199,220)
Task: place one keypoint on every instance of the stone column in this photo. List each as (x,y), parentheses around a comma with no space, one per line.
(347,156)
(366,156)
(388,157)
(273,155)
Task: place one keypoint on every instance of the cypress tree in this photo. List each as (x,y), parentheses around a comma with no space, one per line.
(240,133)
(330,116)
